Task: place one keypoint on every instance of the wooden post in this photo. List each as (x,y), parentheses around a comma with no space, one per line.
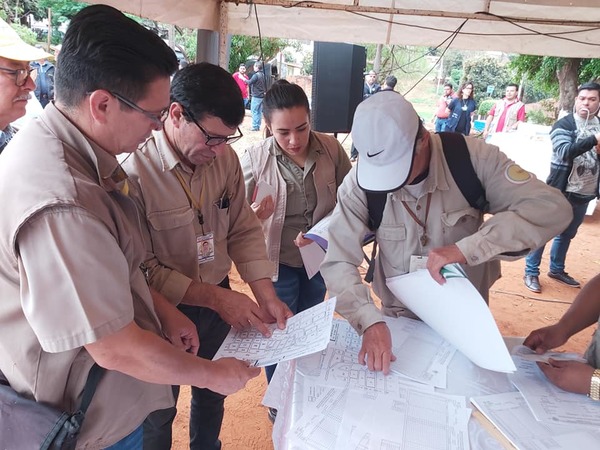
(49,28)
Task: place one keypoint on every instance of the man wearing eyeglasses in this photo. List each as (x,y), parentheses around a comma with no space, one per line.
(189,184)
(15,82)
(72,291)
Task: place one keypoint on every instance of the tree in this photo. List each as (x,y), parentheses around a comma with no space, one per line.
(244,47)
(484,72)
(558,75)
(15,10)
(62,10)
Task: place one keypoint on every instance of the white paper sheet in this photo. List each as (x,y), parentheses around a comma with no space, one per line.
(457,312)
(421,353)
(411,420)
(262,190)
(312,257)
(306,332)
(551,404)
(320,232)
(511,415)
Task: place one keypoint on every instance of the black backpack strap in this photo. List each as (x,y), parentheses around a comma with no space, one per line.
(89,389)
(375,205)
(460,165)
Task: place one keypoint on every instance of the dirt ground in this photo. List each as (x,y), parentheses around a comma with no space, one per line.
(516,310)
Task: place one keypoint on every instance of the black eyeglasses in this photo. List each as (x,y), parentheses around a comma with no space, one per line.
(213,141)
(21,75)
(158,119)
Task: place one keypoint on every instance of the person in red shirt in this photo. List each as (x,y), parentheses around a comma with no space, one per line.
(441,115)
(239,78)
(506,114)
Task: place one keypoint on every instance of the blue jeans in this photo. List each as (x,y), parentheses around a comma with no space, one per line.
(440,125)
(133,441)
(207,407)
(560,246)
(256,109)
(298,292)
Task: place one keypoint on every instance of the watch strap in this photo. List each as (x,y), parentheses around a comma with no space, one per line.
(595,385)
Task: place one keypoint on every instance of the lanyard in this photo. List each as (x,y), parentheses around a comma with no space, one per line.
(190,196)
(424,239)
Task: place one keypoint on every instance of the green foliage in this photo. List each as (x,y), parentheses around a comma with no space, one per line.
(25,33)
(188,40)
(15,10)
(541,72)
(62,10)
(590,70)
(485,106)
(245,47)
(484,72)
(307,64)
(455,77)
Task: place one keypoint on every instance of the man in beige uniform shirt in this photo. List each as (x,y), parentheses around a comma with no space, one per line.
(190,187)
(425,215)
(70,247)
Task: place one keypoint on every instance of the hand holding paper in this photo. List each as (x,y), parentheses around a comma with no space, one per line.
(457,312)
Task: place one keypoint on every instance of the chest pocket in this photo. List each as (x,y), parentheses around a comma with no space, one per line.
(220,225)
(172,232)
(392,243)
(460,223)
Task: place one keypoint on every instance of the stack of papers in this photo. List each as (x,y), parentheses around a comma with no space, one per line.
(344,405)
(540,415)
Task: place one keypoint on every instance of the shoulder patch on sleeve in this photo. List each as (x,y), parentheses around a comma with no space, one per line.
(516,174)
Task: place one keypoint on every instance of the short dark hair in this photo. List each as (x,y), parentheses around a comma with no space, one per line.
(391,81)
(449,85)
(590,86)
(259,65)
(205,89)
(104,49)
(515,85)
(284,95)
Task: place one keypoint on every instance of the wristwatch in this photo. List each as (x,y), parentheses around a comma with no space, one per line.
(595,385)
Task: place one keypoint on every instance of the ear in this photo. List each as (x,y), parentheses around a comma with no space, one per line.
(176,114)
(101,103)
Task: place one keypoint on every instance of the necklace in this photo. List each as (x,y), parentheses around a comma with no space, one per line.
(423,224)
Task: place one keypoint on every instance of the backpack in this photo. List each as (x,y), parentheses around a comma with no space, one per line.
(459,162)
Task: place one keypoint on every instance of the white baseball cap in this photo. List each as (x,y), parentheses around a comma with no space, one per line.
(384,132)
(13,47)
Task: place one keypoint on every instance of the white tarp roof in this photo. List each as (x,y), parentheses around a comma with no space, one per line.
(569,28)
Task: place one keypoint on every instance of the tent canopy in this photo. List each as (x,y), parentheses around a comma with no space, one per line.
(568,28)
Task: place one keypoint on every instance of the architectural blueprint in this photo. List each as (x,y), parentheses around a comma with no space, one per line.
(550,403)
(306,332)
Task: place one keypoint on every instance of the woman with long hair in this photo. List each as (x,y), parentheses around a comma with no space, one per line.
(461,110)
(304,168)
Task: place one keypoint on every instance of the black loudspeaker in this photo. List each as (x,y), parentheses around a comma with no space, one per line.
(337,85)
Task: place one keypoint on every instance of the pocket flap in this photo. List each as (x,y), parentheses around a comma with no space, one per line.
(453,217)
(391,233)
(167,220)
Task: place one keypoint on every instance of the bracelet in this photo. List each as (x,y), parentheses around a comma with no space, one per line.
(595,385)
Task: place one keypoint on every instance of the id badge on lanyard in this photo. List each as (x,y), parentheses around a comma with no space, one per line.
(205,246)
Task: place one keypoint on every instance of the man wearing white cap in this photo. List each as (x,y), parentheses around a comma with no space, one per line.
(425,214)
(15,82)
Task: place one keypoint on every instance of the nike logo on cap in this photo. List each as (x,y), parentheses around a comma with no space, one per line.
(370,155)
